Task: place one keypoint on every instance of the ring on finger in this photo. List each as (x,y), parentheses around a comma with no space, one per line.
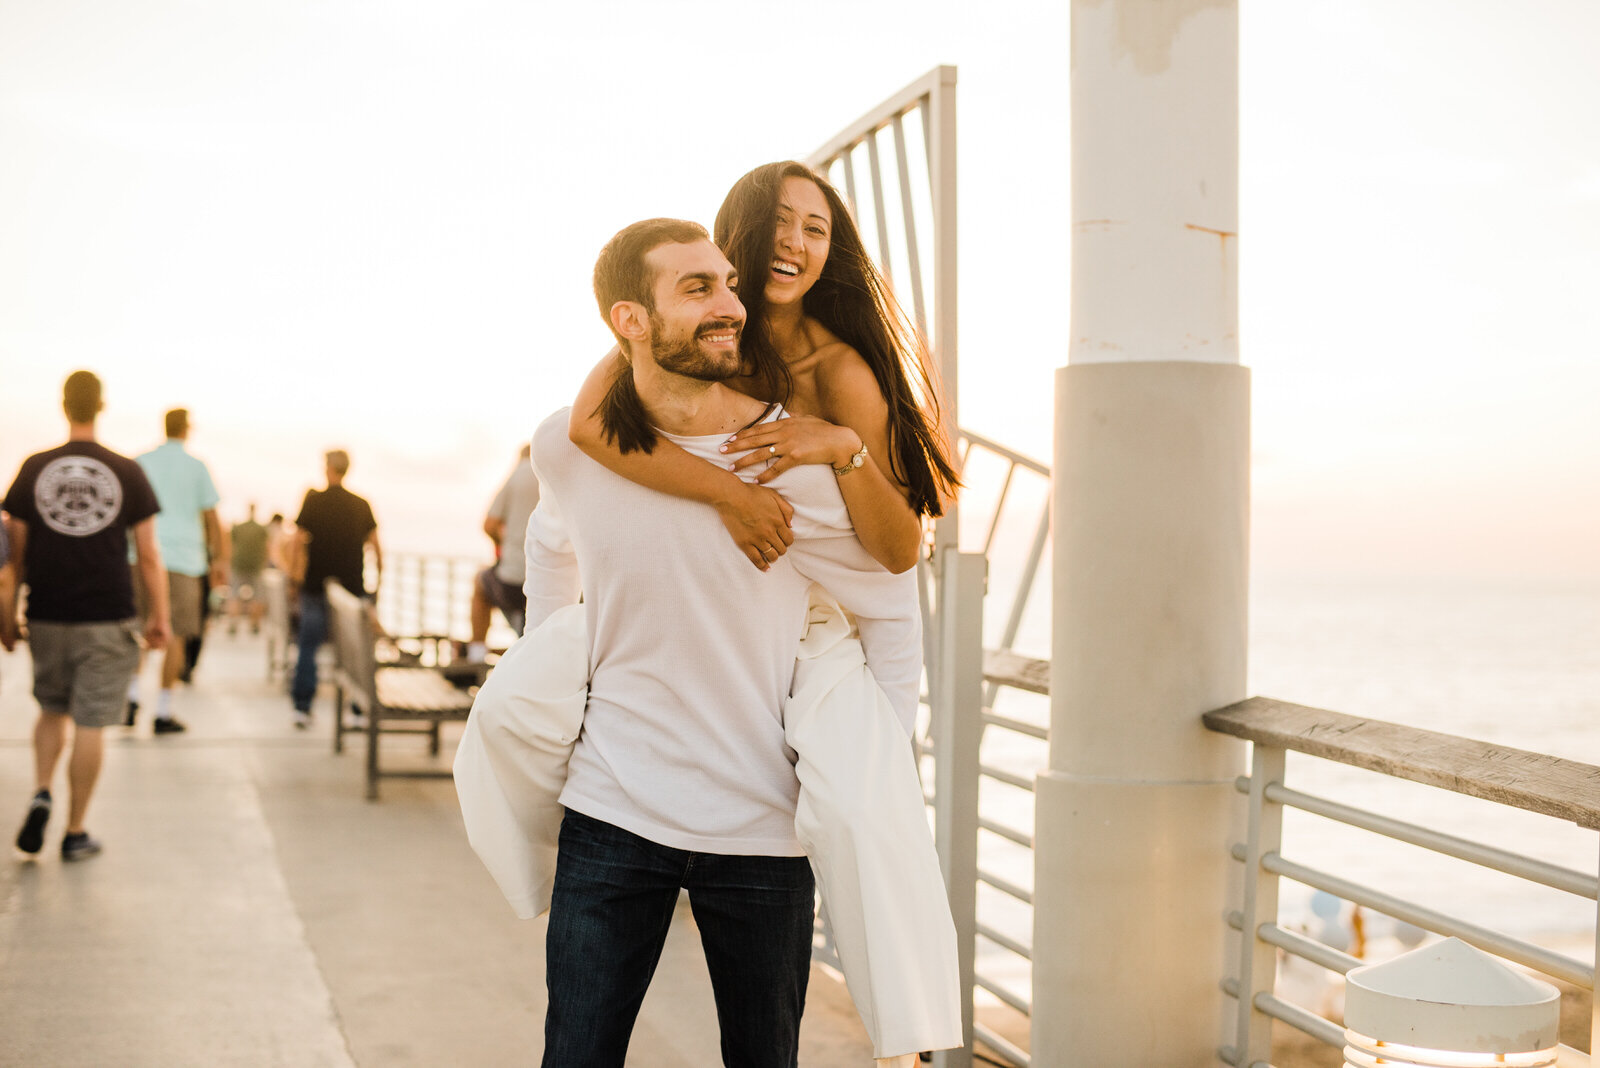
(773,449)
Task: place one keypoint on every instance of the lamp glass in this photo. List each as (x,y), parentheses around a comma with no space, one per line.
(1362,1051)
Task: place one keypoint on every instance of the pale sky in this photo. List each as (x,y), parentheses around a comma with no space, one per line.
(372,224)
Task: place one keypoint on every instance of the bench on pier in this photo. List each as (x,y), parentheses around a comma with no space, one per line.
(280,636)
(395,699)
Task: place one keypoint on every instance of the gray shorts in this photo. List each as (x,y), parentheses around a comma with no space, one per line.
(246,585)
(83,669)
(183,602)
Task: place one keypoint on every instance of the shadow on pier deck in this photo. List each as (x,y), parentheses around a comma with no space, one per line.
(252,909)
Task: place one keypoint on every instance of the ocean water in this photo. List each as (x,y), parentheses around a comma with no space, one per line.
(1513,663)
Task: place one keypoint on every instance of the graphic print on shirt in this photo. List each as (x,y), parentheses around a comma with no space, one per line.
(77,496)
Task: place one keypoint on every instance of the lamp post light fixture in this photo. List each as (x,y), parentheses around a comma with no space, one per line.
(1448,1005)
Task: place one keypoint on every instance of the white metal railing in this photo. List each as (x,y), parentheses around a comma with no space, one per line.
(896,168)
(912,231)
(427,595)
(1560,789)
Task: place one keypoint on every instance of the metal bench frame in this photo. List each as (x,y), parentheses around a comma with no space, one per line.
(395,700)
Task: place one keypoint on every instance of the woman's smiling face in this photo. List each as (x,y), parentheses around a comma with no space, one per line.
(800,246)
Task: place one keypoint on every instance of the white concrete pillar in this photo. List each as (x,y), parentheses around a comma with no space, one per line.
(1151,514)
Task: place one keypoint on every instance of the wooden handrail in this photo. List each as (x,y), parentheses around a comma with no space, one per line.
(1566,789)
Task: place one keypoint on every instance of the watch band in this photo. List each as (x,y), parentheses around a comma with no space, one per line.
(854,462)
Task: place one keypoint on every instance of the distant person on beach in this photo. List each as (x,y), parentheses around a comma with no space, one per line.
(194,548)
(248,541)
(500,586)
(825,338)
(332,533)
(681,777)
(71,510)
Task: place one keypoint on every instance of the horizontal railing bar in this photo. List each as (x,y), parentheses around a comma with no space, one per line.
(1032,730)
(1301,1019)
(1010,778)
(1010,454)
(1514,949)
(1015,1054)
(1573,882)
(1230,987)
(1021,950)
(1010,833)
(1536,782)
(1016,1001)
(1308,948)
(1005,887)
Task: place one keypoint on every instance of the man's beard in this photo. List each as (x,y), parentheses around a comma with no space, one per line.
(687,357)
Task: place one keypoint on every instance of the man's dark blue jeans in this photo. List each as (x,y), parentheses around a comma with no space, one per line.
(313,632)
(613,901)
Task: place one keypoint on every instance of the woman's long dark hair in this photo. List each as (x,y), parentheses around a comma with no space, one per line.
(852,300)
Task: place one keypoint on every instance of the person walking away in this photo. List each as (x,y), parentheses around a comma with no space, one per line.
(332,533)
(500,586)
(247,542)
(71,510)
(194,548)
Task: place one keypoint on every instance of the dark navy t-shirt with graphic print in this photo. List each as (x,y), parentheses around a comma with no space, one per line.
(78,501)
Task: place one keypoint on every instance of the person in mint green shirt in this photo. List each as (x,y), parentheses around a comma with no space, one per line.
(194,546)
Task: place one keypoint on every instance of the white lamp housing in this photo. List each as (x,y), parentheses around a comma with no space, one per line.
(1448,1005)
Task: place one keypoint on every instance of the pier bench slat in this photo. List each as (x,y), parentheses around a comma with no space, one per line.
(420,696)
(1537,782)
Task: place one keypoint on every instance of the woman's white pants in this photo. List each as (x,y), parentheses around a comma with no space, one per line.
(860,815)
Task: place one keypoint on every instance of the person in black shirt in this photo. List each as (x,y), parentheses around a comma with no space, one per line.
(333,530)
(71,509)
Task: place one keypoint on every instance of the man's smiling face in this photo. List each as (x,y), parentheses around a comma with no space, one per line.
(697,318)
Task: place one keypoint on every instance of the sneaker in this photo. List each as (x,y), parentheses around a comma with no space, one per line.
(79,846)
(356,721)
(167,725)
(31,838)
(302,719)
(132,713)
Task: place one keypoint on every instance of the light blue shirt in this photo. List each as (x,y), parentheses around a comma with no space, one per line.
(185,490)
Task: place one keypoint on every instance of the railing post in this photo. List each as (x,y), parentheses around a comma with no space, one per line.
(1150,514)
(1258,961)
(957,688)
(1594,1000)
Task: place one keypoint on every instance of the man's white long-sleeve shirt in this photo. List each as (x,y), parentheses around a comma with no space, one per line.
(692,649)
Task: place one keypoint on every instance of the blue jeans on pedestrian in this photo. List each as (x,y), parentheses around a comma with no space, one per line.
(313,632)
(612,904)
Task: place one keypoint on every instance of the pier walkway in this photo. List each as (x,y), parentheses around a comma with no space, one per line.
(251,908)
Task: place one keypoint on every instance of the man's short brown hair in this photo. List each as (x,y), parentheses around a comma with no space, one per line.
(621,272)
(177,422)
(80,396)
(338,461)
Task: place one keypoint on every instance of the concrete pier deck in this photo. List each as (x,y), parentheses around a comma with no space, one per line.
(251,908)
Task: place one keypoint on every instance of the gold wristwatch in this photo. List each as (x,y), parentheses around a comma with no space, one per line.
(854,462)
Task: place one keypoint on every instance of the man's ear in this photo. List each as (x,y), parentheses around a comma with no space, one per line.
(630,320)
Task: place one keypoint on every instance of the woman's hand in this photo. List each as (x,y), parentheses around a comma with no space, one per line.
(786,443)
(758,518)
